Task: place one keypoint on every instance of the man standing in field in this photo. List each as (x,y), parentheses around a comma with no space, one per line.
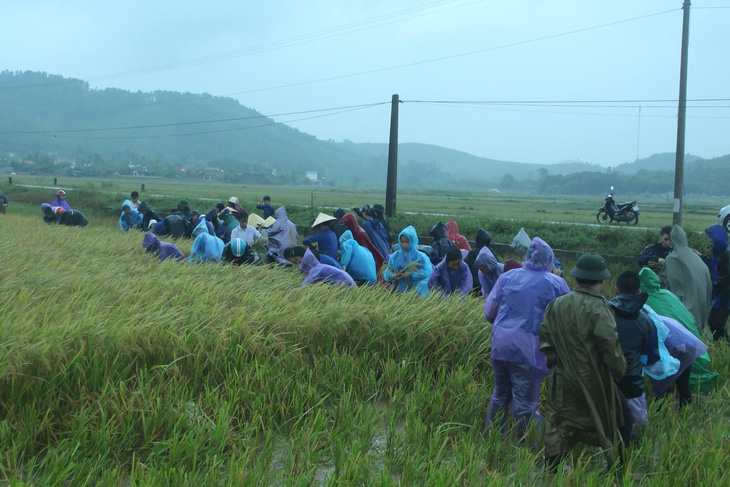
(579,339)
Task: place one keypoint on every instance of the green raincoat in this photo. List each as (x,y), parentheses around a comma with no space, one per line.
(579,339)
(687,276)
(667,304)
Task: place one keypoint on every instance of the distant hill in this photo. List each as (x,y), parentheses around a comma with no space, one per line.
(51,124)
(657,162)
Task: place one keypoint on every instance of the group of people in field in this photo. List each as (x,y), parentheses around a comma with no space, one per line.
(595,354)
(59,211)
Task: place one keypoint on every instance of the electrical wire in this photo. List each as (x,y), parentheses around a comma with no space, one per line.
(363,107)
(198,122)
(289,42)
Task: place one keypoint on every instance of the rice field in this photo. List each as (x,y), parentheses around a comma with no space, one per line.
(116,369)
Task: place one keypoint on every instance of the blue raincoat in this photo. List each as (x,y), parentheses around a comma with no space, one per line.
(318,272)
(378,235)
(127,221)
(447,281)
(358,260)
(401,258)
(206,248)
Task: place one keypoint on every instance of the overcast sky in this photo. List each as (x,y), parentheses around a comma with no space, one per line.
(276,57)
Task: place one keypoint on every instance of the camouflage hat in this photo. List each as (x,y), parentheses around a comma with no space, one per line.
(590,267)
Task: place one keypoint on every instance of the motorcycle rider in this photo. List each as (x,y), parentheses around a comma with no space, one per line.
(657,251)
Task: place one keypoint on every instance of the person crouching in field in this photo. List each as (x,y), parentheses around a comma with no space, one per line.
(579,340)
(324,237)
(163,250)
(318,272)
(237,252)
(488,269)
(409,268)
(515,308)
(49,216)
(357,260)
(451,275)
(637,336)
(71,218)
(130,218)
(206,247)
(296,254)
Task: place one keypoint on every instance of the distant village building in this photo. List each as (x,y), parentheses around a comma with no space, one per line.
(311,176)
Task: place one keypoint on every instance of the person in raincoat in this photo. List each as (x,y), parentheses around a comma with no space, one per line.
(451,275)
(398,270)
(228,216)
(148,214)
(182,208)
(130,218)
(324,237)
(237,252)
(163,250)
(206,247)
(664,303)
(719,266)
(296,254)
(378,230)
(637,336)
(60,200)
(350,221)
(357,261)
(687,277)
(280,237)
(460,241)
(488,270)
(49,215)
(318,272)
(441,243)
(579,339)
(482,239)
(515,308)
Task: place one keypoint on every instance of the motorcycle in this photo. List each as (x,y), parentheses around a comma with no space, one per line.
(621,212)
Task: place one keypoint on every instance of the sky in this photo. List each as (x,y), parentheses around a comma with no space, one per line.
(572,60)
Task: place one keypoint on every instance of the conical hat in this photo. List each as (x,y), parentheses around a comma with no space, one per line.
(269,221)
(255,220)
(322,218)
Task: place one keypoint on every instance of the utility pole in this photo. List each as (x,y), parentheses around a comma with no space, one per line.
(392,182)
(681,116)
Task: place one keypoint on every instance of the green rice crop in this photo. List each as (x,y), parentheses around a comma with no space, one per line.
(117,369)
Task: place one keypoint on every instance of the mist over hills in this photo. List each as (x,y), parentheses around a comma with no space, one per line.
(48,118)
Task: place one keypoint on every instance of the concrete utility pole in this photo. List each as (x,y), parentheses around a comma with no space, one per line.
(392,182)
(681,116)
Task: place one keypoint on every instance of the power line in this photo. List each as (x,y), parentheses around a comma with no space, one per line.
(454,56)
(363,107)
(563,102)
(361,25)
(198,122)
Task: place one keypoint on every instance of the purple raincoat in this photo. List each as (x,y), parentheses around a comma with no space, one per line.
(318,272)
(441,280)
(488,279)
(516,306)
(683,346)
(280,236)
(163,250)
(62,203)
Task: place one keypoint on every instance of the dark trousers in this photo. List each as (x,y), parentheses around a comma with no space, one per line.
(717,320)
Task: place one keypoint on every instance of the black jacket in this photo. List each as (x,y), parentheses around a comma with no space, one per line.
(652,253)
(637,336)
(228,257)
(73,218)
(147,215)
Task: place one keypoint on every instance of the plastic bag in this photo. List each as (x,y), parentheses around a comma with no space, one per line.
(667,365)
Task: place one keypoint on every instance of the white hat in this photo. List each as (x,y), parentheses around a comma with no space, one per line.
(153,222)
(255,220)
(322,218)
(233,199)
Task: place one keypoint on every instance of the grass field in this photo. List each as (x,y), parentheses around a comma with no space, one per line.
(117,369)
